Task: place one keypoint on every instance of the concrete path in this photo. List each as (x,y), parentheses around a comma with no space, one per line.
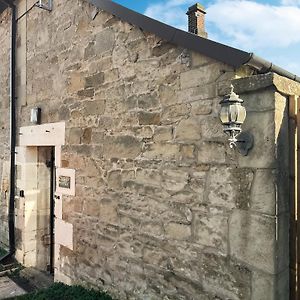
(9,289)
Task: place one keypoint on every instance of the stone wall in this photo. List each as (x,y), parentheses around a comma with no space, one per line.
(259,229)
(4,126)
(164,209)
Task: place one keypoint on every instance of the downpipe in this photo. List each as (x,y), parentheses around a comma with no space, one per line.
(13,128)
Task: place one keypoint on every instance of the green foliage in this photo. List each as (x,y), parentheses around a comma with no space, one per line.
(60,291)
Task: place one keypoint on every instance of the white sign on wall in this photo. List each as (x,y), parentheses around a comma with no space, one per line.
(65,181)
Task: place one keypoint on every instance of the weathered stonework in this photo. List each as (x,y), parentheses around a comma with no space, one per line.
(4,127)
(164,209)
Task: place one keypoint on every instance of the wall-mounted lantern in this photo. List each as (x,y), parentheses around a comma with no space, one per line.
(35,115)
(232,116)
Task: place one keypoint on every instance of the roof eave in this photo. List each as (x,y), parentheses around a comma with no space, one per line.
(264,66)
(226,54)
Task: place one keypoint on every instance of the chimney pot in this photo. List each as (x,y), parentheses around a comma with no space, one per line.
(196,14)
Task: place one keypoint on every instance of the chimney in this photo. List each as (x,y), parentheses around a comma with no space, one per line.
(196,15)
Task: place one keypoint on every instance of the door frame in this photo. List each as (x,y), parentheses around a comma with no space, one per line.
(31,138)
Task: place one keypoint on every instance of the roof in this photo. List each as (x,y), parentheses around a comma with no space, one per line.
(231,56)
(226,54)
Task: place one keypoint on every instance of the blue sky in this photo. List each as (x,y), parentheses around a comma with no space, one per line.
(269,28)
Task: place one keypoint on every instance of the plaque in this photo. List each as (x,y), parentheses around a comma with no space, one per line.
(64,182)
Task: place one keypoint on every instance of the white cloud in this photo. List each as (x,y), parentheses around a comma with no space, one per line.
(291,2)
(171,12)
(271,30)
(246,24)
(252,25)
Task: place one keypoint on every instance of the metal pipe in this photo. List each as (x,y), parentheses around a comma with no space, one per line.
(264,66)
(13,127)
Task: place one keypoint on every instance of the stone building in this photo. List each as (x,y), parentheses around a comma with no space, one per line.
(150,200)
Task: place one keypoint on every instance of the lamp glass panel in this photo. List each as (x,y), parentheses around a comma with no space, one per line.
(241,115)
(233,113)
(224,115)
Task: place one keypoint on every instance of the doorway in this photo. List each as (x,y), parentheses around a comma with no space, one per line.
(38,158)
(45,209)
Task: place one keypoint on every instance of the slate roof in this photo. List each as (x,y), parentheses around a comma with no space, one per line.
(226,54)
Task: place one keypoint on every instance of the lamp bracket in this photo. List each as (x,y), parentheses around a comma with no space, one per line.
(244,142)
(42,5)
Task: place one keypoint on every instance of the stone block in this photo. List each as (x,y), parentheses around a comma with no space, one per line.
(173,114)
(161,151)
(154,229)
(94,80)
(105,41)
(76,82)
(188,129)
(201,76)
(221,191)
(144,132)
(89,50)
(259,231)
(270,287)
(167,95)
(114,179)
(86,93)
(283,234)
(241,181)
(95,107)
(187,152)
(259,101)
(211,152)
(263,286)
(87,136)
(108,211)
(121,147)
(212,129)
(91,208)
(163,134)
(75,136)
(198,93)
(261,125)
(263,192)
(149,176)
(200,60)
(148,101)
(111,75)
(211,231)
(119,56)
(174,180)
(149,118)
(225,279)
(202,107)
(176,231)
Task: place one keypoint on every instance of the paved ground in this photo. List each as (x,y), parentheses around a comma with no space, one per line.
(9,289)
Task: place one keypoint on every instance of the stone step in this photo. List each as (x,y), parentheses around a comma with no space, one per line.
(36,278)
(9,288)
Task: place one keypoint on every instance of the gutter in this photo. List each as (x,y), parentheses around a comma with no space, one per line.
(231,56)
(13,128)
(264,66)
